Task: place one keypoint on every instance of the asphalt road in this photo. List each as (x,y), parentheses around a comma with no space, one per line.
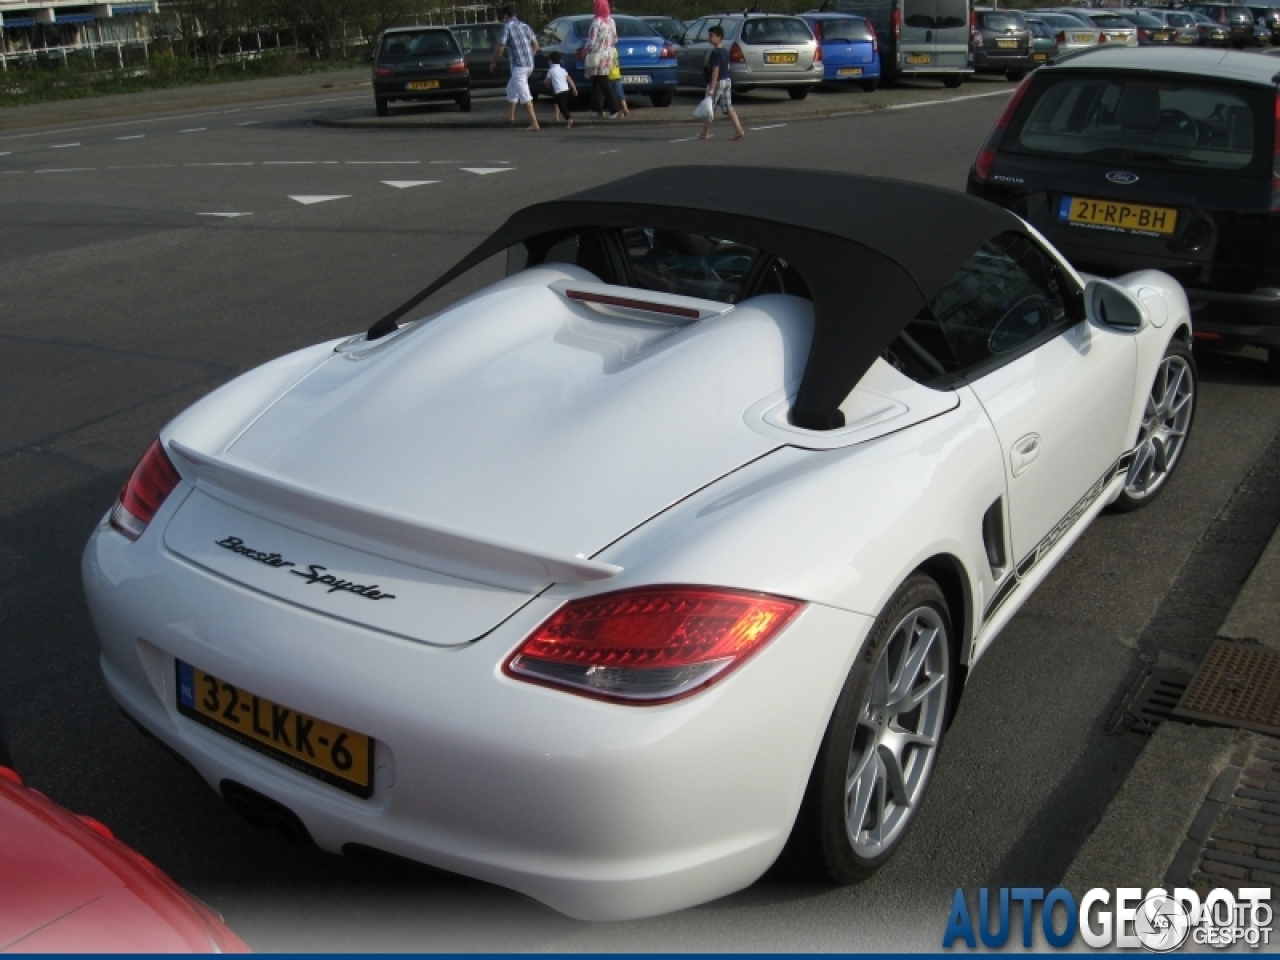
(127,291)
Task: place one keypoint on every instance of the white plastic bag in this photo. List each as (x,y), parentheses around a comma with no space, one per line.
(705,110)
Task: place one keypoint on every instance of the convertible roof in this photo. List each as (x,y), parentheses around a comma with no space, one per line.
(873,251)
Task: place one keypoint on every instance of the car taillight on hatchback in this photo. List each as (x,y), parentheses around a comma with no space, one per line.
(668,52)
(987,155)
(383,72)
(736,55)
(152,480)
(458,67)
(650,644)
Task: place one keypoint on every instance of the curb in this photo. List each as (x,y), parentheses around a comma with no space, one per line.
(1185,782)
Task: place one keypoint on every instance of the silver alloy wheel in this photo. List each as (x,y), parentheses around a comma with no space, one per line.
(1164,427)
(899,726)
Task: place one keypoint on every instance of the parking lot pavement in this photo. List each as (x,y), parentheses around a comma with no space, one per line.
(756,107)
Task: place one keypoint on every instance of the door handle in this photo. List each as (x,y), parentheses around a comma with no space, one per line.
(1024,453)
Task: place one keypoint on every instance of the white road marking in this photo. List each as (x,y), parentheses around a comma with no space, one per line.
(285,163)
(406,184)
(133,136)
(144,166)
(248,123)
(6,153)
(62,146)
(231,163)
(934,103)
(772,126)
(66,169)
(380,162)
(684,139)
(608,151)
(448,163)
(484,170)
(308,200)
(194,130)
(224,214)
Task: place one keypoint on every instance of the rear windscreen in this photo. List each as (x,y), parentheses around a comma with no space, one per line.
(935,14)
(845,30)
(1039,30)
(1144,20)
(627,27)
(417,43)
(1179,19)
(1111,23)
(1187,125)
(1002,21)
(779,30)
(1065,22)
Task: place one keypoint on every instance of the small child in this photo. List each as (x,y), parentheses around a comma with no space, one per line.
(561,84)
(621,93)
(720,84)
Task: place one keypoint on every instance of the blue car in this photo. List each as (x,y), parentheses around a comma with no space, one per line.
(850,49)
(648,62)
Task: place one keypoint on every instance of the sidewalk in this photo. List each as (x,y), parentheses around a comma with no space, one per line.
(1201,807)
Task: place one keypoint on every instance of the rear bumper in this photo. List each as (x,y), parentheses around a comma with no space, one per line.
(450,87)
(1243,318)
(869,71)
(745,78)
(600,811)
(994,60)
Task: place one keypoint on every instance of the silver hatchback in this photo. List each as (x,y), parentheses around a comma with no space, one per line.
(765,50)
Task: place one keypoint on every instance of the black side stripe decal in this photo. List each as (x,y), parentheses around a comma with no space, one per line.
(1028,563)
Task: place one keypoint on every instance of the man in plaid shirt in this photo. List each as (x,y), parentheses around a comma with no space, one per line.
(518,38)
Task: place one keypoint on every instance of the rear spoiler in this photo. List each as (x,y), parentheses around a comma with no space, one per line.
(424,545)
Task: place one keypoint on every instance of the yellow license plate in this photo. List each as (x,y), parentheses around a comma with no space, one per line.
(849,72)
(333,754)
(919,58)
(1006,44)
(1161,36)
(1042,56)
(1128,217)
(422,85)
(781,57)
(1082,38)
(1185,38)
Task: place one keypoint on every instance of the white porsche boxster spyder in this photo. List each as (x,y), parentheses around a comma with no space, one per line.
(663,557)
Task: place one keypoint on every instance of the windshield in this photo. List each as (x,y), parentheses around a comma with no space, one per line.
(627,27)
(417,43)
(1181,124)
(1002,21)
(845,30)
(776,30)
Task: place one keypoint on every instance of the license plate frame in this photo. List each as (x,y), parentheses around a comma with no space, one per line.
(849,72)
(781,58)
(1007,44)
(637,79)
(1041,56)
(414,86)
(1082,38)
(266,720)
(918,58)
(1118,217)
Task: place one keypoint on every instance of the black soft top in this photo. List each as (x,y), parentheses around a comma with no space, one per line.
(872,251)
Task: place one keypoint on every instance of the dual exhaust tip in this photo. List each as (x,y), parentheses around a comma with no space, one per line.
(266,814)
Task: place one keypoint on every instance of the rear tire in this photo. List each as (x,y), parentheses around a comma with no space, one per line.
(870,86)
(1013,76)
(953,80)
(662,98)
(464,103)
(864,773)
(380,106)
(797,93)
(1165,429)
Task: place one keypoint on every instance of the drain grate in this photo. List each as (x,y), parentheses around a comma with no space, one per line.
(1151,701)
(1238,685)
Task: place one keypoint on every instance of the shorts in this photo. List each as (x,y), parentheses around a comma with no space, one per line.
(722,98)
(518,86)
(562,101)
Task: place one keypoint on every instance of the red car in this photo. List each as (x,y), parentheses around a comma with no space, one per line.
(67,885)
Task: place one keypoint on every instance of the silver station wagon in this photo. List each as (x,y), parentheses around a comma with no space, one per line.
(765,50)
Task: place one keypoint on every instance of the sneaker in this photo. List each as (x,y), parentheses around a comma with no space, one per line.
(613,116)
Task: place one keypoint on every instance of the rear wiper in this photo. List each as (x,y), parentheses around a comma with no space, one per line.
(1171,157)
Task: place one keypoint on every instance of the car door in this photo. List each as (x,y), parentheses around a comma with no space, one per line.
(693,54)
(1058,390)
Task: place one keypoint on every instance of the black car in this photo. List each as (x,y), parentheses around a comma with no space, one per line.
(1270,18)
(478,41)
(1002,43)
(420,63)
(1237,19)
(1148,158)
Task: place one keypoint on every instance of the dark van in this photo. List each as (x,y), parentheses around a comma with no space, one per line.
(918,38)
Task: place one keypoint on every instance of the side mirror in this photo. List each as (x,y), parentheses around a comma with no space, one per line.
(1110,305)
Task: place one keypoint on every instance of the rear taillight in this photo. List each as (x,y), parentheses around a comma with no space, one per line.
(1061,36)
(987,155)
(896,23)
(668,52)
(736,55)
(651,644)
(1144,34)
(152,480)
(817,30)
(975,37)
(875,40)
(383,72)
(1102,38)
(459,67)
(817,53)
(1275,162)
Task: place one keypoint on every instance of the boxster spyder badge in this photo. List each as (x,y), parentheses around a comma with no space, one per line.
(697,522)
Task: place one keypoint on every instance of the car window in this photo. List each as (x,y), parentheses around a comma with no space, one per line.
(849,30)
(1187,124)
(776,30)
(473,38)
(1008,296)
(1179,20)
(1005,20)
(1143,20)
(416,43)
(626,26)
(935,14)
(1111,22)
(1040,30)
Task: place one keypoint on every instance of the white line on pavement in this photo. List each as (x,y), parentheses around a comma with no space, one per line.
(772,126)
(308,200)
(285,163)
(228,215)
(248,123)
(62,146)
(144,166)
(66,169)
(132,136)
(194,130)
(448,163)
(934,103)
(233,163)
(684,139)
(6,153)
(406,184)
(486,170)
(377,162)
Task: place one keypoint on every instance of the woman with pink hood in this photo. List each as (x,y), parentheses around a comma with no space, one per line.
(601,40)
